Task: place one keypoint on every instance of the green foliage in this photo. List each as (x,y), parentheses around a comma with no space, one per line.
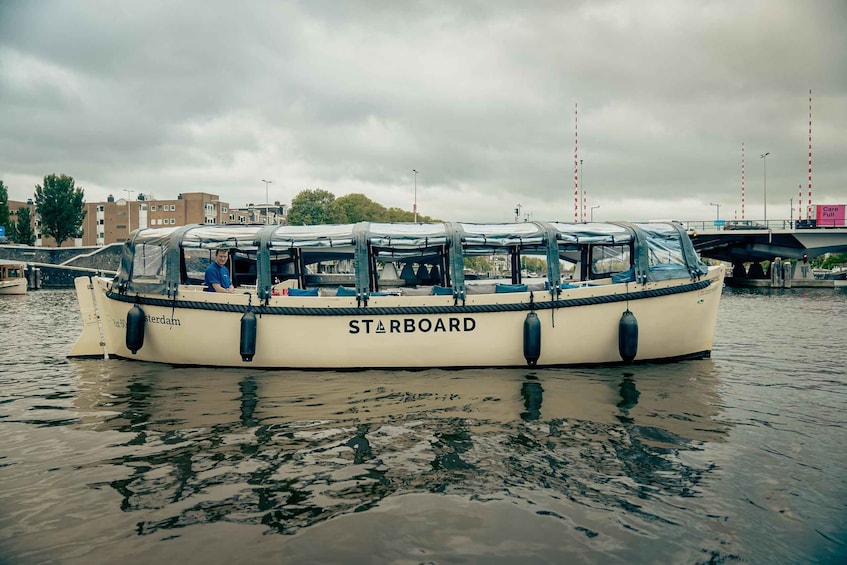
(534,265)
(360,208)
(478,264)
(399,215)
(4,206)
(12,231)
(61,207)
(23,231)
(829,261)
(311,207)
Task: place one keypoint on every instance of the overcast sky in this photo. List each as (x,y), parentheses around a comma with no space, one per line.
(164,97)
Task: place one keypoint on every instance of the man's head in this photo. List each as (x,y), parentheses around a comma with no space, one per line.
(221,256)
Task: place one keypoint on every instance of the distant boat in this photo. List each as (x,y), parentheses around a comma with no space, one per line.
(640,294)
(837,273)
(12,278)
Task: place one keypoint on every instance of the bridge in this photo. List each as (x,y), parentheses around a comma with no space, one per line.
(776,238)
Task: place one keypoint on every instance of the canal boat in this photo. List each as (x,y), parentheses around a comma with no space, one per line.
(12,278)
(378,295)
(837,273)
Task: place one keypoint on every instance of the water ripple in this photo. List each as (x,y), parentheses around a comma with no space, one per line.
(718,460)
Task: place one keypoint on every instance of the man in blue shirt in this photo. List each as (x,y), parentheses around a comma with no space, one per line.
(217,275)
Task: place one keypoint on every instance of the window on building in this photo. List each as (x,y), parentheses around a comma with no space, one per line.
(152,207)
(224,209)
(173,220)
(100,208)
(173,208)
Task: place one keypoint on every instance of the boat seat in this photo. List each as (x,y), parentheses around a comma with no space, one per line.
(418,291)
(408,274)
(423,274)
(486,288)
(292,291)
(501,288)
(435,276)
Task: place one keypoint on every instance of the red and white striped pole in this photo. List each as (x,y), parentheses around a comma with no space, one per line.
(575,162)
(800,202)
(810,154)
(742,180)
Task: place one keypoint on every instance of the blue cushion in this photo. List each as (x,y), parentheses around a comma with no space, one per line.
(442,290)
(510,288)
(624,277)
(564,285)
(344,291)
(302,292)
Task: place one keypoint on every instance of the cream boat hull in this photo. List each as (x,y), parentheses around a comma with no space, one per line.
(405,331)
(13,286)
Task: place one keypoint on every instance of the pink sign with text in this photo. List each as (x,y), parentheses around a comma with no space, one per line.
(830,214)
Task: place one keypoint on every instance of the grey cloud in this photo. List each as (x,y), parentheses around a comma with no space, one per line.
(478,96)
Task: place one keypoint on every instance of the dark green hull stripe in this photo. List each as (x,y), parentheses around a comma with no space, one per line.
(411,310)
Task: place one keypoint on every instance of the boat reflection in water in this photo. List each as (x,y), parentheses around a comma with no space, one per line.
(336,457)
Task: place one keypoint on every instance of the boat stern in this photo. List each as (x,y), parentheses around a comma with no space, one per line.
(90,343)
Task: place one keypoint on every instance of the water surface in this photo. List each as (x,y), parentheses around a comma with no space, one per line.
(738,458)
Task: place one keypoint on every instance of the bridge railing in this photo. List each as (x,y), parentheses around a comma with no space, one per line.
(700,226)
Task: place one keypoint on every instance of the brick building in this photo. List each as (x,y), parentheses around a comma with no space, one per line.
(114,220)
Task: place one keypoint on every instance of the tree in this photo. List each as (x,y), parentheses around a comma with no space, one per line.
(312,207)
(829,260)
(478,264)
(4,208)
(400,215)
(360,208)
(322,207)
(24,232)
(12,230)
(61,207)
(534,264)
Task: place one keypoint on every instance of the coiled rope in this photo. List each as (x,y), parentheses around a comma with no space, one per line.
(410,310)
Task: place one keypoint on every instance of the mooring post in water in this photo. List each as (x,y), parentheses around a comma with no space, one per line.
(33,277)
(776,273)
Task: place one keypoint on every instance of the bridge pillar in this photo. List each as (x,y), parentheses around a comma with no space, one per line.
(756,271)
(738,270)
(805,269)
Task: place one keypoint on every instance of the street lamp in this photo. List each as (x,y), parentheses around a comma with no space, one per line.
(791,214)
(128,210)
(415,205)
(267,201)
(592,211)
(764,158)
(718,213)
